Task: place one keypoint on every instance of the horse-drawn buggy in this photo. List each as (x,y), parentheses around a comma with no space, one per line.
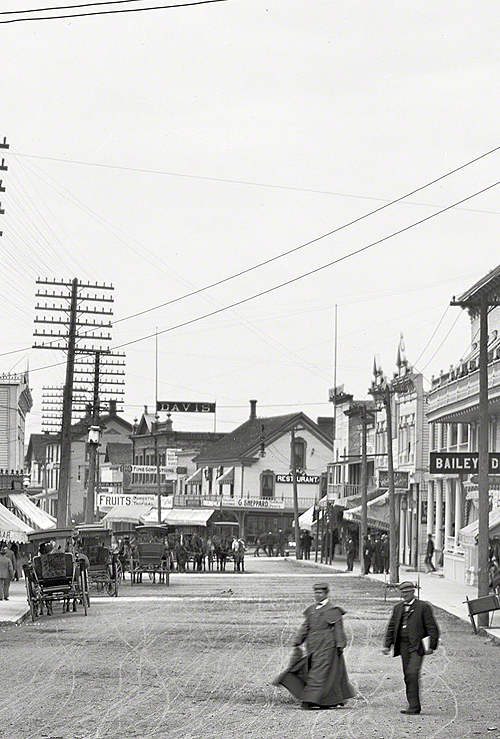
(104,568)
(150,553)
(55,573)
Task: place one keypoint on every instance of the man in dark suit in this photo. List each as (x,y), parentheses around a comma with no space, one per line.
(412,620)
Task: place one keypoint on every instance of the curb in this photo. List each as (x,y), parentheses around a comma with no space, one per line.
(17,619)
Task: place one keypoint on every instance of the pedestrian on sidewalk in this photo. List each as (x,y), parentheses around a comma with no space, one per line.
(367,555)
(429,553)
(319,679)
(6,572)
(411,621)
(351,552)
(306,540)
(386,553)
(13,555)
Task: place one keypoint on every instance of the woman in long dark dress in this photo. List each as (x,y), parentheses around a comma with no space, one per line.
(319,679)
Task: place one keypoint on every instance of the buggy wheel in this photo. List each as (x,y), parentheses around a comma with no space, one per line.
(112,587)
(119,571)
(85,602)
(33,609)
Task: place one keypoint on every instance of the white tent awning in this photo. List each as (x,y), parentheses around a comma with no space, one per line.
(306,519)
(468,534)
(378,512)
(189,516)
(12,528)
(127,514)
(38,518)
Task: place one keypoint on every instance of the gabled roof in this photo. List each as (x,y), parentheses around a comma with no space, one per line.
(245,440)
(36,447)
(117,453)
(487,286)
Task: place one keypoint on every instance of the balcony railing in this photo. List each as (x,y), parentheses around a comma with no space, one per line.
(462,389)
(343,490)
(217,501)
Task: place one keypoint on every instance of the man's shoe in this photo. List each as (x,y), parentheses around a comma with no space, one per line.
(410,712)
(308,706)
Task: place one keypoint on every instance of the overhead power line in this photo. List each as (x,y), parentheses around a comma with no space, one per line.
(299,277)
(269,185)
(110,12)
(69,7)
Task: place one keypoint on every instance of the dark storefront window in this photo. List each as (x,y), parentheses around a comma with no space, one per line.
(267,484)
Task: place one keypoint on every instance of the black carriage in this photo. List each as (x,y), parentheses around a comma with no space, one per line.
(150,553)
(55,573)
(104,567)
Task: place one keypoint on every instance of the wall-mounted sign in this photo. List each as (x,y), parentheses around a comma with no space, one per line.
(301,478)
(150,469)
(182,406)
(401,479)
(228,502)
(106,501)
(441,463)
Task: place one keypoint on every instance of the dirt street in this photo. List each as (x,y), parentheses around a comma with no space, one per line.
(196,660)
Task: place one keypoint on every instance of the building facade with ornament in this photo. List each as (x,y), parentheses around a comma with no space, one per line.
(453,413)
(247,476)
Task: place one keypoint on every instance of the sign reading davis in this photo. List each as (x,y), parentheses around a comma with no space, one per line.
(441,463)
(182,406)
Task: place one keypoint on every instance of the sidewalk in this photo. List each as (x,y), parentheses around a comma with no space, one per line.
(444,594)
(15,610)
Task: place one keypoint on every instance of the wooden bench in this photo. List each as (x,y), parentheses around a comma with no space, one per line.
(486,604)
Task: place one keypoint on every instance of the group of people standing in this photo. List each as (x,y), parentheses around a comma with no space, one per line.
(376,553)
(318,676)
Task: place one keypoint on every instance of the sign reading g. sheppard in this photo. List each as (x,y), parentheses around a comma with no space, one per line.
(442,463)
(182,406)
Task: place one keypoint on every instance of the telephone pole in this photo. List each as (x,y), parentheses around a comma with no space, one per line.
(298,552)
(93,445)
(3,168)
(70,309)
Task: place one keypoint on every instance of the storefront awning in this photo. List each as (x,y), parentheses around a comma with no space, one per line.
(378,512)
(189,516)
(38,518)
(127,514)
(468,534)
(227,478)
(12,528)
(196,478)
(306,519)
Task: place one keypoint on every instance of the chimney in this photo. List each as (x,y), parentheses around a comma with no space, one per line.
(112,407)
(253,409)
(146,410)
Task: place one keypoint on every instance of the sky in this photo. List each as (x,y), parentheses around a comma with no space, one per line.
(165,150)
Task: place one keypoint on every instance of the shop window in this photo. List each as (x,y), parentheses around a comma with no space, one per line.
(267,484)
(300,454)
(465,433)
(454,434)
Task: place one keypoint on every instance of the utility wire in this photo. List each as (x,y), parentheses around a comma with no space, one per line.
(110,12)
(313,271)
(441,344)
(433,335)
(69,7)
(261,184)
(299,277)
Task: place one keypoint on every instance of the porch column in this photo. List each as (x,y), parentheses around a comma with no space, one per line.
(402,535)
(448,436)
(438,537)
(430,509)
(447,511)
(458,511)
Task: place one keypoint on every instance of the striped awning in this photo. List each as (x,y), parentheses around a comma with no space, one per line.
(227,478)
(37,517)
(195,478)
(13,528)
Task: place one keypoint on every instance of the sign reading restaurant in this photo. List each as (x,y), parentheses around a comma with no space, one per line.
(441,463)
(182,406)
(301,477)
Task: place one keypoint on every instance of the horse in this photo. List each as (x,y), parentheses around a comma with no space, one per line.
(222,550)
(198,547)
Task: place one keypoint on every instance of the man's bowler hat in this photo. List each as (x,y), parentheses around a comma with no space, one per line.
(406,585)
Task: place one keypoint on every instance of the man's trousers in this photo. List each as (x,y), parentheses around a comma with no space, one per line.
(412,663)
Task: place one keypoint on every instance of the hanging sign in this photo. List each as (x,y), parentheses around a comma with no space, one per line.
(302,478)
(441,463)
(182,406)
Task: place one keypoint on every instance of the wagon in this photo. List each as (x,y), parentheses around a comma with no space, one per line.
(150,554)
(55,573)
(104,568)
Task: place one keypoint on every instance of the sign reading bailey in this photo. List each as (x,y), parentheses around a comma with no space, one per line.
(181,406)
(441,463)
